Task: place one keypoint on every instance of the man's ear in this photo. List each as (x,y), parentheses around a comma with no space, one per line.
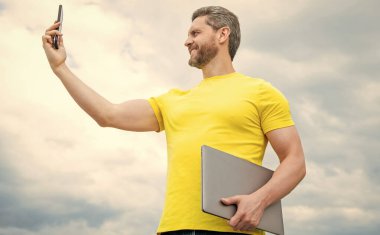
(224,34)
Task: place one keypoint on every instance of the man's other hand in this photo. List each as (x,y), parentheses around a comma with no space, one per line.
(250,209)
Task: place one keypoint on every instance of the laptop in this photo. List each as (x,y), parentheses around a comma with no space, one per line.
(225,175)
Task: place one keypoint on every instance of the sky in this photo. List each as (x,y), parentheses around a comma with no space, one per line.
(60,173)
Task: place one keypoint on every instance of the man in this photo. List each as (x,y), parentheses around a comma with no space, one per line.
(226,110)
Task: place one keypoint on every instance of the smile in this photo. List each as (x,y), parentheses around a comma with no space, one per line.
(192,49)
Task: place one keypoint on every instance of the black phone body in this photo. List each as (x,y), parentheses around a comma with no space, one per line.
(59,19)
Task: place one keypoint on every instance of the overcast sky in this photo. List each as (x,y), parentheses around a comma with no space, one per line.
(62,174)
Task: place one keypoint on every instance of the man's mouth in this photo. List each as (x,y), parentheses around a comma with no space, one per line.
(191,50)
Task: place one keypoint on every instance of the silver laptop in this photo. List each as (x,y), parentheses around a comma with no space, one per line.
(224,175)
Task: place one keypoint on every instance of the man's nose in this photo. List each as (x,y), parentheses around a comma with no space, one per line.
(188,42)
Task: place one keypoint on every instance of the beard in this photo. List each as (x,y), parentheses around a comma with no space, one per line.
(203,55)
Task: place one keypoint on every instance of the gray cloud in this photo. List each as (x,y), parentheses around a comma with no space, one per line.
(17,211)
(322,54)
(330,224)
(349,27)
(20,210)
(2,6)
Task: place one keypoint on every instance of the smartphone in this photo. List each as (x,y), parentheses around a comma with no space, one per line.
(59,19)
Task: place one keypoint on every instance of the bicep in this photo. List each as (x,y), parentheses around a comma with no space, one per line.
(134,115)
(286,142)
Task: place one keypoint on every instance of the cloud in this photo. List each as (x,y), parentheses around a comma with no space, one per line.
(316,28)
(60,173)
(16,213)
(2,7)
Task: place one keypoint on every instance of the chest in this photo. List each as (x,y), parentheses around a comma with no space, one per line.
(220,106)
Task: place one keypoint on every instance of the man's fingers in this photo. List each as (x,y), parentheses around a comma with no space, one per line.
(234,200)
(247,216)
(248,228)
(52,27)
(234,221)
(230,200)
(50,32)
(243,224)
(47,39)
(53,32)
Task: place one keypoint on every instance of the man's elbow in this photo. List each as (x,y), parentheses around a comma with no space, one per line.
(102,123)
(302,170)
(104,120)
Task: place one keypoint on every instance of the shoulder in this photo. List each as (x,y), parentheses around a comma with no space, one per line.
(263,91)
(257,86)
(169,96)
(254,82)
(266,90)
(173,92)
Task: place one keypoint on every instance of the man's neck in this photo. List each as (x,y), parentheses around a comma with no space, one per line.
(217,68)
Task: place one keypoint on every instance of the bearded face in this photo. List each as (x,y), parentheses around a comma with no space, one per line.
(201,55)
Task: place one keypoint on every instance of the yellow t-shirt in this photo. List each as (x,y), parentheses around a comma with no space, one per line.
(231,113)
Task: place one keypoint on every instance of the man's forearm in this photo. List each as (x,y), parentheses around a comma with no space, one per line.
(286,177)
(90,101)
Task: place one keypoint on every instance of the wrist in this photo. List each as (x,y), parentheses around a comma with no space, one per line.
(59,69)
(263,197)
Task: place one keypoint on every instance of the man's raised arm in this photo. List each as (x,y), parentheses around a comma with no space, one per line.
(133,115)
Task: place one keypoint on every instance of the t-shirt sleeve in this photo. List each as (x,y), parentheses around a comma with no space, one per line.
(154,103)
(274,109)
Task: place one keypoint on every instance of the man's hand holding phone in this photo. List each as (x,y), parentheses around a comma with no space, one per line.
(53,42)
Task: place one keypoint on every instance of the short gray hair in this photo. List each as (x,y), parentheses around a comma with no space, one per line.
(218,17)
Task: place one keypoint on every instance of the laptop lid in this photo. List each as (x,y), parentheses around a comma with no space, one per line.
(225,175)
